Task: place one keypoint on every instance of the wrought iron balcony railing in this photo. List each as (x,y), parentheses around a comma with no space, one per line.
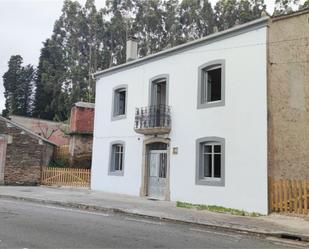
(153,119)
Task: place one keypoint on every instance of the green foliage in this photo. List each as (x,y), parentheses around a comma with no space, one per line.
(305,5)
(285,6)
(18,85)
(59,163)
(86,40)
(217,209)
(231,12)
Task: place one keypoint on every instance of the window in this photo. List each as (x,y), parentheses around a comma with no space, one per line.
(119,102)
(117,159)
(211,84)
(210,161)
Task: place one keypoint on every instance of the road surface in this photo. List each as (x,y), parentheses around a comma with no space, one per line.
(32,225)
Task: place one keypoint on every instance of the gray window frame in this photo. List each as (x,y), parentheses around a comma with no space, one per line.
(210,181)
(116,116)
(111,170)
(201,103)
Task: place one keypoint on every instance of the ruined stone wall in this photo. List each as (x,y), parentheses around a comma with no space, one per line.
(288,97)
(81,150)
(25,155)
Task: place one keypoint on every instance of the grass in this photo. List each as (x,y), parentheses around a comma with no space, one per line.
(217,209)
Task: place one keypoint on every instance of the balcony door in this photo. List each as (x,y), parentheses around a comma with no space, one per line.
(158,93)
(158,102)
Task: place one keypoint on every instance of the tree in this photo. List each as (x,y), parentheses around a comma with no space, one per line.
(18,85)
(228,13)
(305,5)
(68,60)
(27,77)
(149,25)
(197,18)
(285,6)
(51,88)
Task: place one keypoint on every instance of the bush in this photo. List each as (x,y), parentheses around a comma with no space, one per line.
(59,163)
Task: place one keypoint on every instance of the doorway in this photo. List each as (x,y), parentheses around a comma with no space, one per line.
(3,144)
(157,171)
(158,101)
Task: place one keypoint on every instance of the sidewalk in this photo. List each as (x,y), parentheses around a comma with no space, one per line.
(273,225)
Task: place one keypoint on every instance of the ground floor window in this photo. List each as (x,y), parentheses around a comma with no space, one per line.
(117,158)
(210,161)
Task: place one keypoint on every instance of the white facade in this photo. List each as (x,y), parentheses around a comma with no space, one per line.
(242,122)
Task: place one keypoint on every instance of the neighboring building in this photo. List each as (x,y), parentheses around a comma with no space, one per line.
(288,96)
(209,121)
(22,154)
(81,135)
(53,131)
(189,123)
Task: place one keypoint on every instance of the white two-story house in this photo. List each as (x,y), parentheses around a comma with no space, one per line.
(187,124)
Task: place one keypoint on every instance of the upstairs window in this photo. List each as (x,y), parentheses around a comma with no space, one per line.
(119,102)
(211,84)
(117,159)
(210,161)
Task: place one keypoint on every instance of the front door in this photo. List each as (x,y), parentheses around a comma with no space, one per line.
(2,157)
(157,170)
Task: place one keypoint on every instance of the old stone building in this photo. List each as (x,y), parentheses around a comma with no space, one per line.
(288,96)
(81,134)
(22,154)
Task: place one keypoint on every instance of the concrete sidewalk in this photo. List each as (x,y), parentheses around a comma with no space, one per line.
(273,225)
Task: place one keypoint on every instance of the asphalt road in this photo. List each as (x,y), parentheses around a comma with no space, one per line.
(31,225)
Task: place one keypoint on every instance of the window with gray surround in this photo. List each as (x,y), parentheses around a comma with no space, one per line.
(116,165)
(210,161)
(211,84)
(119,105)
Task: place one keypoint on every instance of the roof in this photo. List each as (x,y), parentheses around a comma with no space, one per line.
(31,133)
(84,104)
(289,15)
(237,30)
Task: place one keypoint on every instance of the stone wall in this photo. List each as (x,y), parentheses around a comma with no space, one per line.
(288,96)
(81,151)
(25,155)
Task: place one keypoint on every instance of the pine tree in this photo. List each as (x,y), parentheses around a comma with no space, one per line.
(18,85)
(50,84)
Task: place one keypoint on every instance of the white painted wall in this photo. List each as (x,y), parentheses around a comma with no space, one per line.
(242,122)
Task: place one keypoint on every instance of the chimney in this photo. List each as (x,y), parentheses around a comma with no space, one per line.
(131,48)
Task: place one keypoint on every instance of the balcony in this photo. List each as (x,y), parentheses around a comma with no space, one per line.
(153,120)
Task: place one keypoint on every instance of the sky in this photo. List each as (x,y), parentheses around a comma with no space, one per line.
(25,24)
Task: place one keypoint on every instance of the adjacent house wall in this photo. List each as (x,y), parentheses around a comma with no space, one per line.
(288,96)
(242,122)
(25,155)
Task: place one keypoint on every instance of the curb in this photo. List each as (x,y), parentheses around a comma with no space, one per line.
(278,234)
